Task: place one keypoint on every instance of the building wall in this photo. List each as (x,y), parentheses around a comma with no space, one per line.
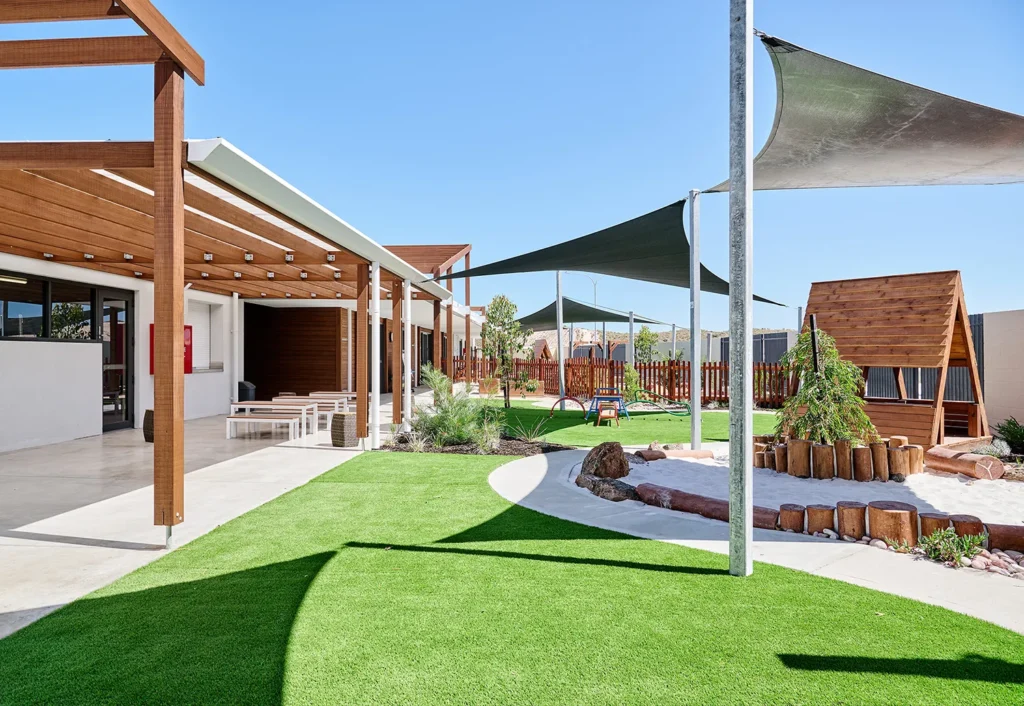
(1004,365)
(42,405)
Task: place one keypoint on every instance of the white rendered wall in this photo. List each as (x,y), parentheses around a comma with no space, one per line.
(52,391)
(1004,365)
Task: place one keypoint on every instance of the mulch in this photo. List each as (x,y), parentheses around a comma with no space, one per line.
(506,447)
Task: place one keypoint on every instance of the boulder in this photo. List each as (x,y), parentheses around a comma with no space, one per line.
(606,460)
(607,488)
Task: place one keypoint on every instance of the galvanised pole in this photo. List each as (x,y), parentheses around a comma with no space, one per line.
(558,339)
(695,342)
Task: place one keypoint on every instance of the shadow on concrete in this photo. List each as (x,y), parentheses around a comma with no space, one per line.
(82,541)
(971,667)
(590,561)
(221,639)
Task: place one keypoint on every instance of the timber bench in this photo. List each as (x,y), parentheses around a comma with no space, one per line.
(293,420)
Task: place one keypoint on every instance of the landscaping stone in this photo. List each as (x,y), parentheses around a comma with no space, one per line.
(878,543)
(979,563)
(607,488)
(848,538)
(964,561)
(997,570)
(606,460)
(999,564)
(1016,556)
(830,533)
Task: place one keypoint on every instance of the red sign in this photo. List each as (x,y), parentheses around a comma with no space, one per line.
(187,353)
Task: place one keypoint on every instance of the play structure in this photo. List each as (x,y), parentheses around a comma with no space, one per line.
(906,321)
(603,396)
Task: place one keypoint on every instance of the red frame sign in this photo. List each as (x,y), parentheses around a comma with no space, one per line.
(187,352)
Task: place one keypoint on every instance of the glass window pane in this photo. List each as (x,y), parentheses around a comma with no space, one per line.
(21,306)
(71,311)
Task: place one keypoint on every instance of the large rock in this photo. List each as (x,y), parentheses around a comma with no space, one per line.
(607,488)
(606,460)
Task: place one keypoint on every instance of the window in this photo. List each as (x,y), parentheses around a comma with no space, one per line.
(70,311)
(21,306)
(200,318)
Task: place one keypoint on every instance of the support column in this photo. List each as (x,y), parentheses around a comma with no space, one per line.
(696,362)
(673,342)
(435,358)
(470,368)
(169,296)
(449,357)
(631,359)
(558,338)
(572,339)
(348,350)
(741,391)
(604,341)
(397,390)
(375,361)
(236,376)
(362,381)
(408,353)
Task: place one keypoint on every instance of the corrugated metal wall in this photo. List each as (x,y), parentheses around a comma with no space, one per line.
(768,347)
(920,382)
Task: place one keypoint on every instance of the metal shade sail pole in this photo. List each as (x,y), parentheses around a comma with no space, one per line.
(696,362)
(673,341)
(407,339)
(741,390)
(374,355)
(558,339)
(632,359)
(604,340)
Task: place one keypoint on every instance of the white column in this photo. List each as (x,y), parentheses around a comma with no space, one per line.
(799,320)
(235,377)
(572,338)
(741,391)
(604,340)
(629,351)
(696,378)
(673,357)
(558,338)
(348,348)
(375,355)
(407,335)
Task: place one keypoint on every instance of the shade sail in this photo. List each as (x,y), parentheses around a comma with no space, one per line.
(576,312)
(838,125)
(651,248)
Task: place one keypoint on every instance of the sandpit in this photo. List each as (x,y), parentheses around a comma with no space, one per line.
(996,501)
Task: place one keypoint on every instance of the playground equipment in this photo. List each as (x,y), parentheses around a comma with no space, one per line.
(566,399)
(604,395)
(685,412)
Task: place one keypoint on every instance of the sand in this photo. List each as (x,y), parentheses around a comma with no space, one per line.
(996,501)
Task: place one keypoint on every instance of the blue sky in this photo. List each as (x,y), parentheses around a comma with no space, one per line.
(517,125)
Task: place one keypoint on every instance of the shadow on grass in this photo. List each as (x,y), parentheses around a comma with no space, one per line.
(589,561)
(221,639)
(969,668)
(518,523)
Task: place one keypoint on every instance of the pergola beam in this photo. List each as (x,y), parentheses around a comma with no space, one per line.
(90,51)
(77,155)
(16,11)
(164,33)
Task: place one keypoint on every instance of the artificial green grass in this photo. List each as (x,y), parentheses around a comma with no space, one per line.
(640,429)
(401,578)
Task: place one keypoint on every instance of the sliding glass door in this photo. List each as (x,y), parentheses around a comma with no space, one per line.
(116,328)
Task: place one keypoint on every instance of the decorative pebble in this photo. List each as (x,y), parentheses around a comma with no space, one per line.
(997,570)
(994,550)
(999,564)
(979,563)
(865,539)
(1015,569)
(878,543)
(820,535)
(985,553)
(964,561)
(848,538)
(862,541)
(1016,556)
(829,533)
(1019,577)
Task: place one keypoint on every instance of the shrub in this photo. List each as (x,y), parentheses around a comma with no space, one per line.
(457,418)
(526,432)
(437,381)
(1012,432)
(828,405)
(998,448)
(944,545)
(631,381)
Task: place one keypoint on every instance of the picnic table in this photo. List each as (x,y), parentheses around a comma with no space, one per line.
(279,404)
(606,394)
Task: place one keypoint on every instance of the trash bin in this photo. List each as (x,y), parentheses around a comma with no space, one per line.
(246,391)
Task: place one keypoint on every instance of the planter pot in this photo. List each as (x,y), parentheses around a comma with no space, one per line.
(539,392)
(147,426)
(343,430)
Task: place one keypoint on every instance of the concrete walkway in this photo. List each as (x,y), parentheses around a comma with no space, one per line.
(539,483)
(53,561)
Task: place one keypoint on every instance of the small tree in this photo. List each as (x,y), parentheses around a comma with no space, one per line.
(503,339)
(828,405)
(644,345)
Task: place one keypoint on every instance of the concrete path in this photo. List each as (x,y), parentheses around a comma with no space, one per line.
(539,483)
(51,562)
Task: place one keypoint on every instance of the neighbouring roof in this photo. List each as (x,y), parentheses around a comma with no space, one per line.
(576,312)
(652,248)
(838,125)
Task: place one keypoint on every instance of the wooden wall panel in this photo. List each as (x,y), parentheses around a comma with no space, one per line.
(293,350)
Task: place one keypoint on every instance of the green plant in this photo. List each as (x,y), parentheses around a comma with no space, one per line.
(828,405)
(644,344)
(631,381)
(436,380)
(457,419)
(1012,432)
(417,444)
(523,430)
(531,385)
(503,339)
(998,448)
(944,545)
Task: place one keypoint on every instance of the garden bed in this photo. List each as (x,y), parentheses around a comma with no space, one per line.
(506,447)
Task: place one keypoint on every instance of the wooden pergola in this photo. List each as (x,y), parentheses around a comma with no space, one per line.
(140,209)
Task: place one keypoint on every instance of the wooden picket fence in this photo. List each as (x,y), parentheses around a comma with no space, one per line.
(670,378)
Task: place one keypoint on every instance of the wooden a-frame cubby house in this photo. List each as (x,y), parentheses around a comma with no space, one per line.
(906,321)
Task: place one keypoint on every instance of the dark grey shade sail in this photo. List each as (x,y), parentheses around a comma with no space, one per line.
(838,125)
(576,312)
(651,248)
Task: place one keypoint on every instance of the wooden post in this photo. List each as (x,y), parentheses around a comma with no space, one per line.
(781,458)
(759,459)
(880,460)
(932,522)
(967,524)
(799,458)
(769,458)
(894,521)
(897,441)
(397,299)
(844,459)
(362,368)
(791,517)
(820,517)
(916,458)
(851,517)
(862,464)
(168,295)
(824,461)
(899,462)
